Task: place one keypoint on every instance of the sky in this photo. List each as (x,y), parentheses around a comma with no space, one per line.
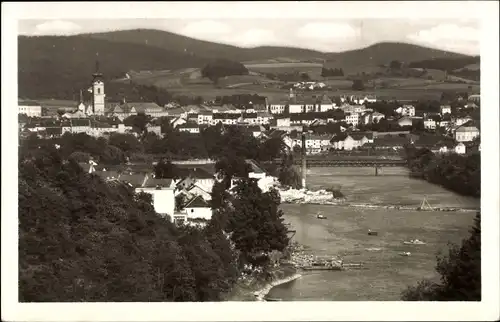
(328,35)
(329,26)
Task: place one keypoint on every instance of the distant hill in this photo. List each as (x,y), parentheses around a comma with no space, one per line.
(200,48)
(383,54)
(52,66)
(448,63)
(59,66)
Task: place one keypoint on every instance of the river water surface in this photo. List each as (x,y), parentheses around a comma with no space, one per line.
(386,273)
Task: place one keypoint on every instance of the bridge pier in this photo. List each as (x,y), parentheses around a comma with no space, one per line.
(376,171)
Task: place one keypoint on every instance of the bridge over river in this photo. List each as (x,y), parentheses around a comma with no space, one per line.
(365,163)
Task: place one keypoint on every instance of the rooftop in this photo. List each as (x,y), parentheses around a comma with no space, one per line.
(254,166)
(197,202)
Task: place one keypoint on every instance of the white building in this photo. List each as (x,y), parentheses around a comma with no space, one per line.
(352,118)
(466,133)
(371,117)
(445,109)
(204,117)
(198,208)
(430,124)
(187,127)
(31,109)
(460,148)
(278,108)
(405,121)
(317,143)
(162,191)
(406,110)
(462,120)
(362,100)
(283,121)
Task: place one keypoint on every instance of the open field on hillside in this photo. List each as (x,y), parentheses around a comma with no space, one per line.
(446,87)
(189,82)
(314,69)
(473,67)
(281,60)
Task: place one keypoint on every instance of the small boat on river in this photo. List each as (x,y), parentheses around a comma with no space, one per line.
(407,254)
(320,216)
(372,233)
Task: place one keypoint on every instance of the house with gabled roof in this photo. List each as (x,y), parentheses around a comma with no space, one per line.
(405,121)
(467,132)
(264,181)
(194,174)
(443,146)
(189,127)
(162,192)
(393,142)
(349,141)
(198,208)
(29,108)
(81,125)
(204,117)
(196,190)
(263,117)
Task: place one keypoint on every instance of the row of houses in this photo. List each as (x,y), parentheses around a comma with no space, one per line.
(350,140)
(295,105)
(97,127)
(194,184)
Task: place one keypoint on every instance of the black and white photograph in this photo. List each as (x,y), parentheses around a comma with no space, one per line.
(325,155)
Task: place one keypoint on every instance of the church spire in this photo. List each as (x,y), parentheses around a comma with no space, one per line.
(97,73)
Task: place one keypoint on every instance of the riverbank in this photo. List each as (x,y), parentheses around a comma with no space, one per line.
(261,294)
(255,288)
(324,197)
(307,196)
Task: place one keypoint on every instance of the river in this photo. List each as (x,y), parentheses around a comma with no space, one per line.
(344,233)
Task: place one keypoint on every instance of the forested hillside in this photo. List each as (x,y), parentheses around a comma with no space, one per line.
(200,48)
(58,67)
(82,240)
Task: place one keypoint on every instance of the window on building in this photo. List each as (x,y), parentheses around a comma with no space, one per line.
(98,91)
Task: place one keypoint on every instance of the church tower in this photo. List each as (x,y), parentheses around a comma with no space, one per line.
(98,96)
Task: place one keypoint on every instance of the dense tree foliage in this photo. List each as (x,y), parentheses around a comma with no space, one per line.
(81,239)
(328,72)
(59,66)
(395,64)
(447,64)
(459,173)
(460,273)
(287,174)
(138,122)
(220,68)
(358,85)
(166,170)
(254,222)
(293,76)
